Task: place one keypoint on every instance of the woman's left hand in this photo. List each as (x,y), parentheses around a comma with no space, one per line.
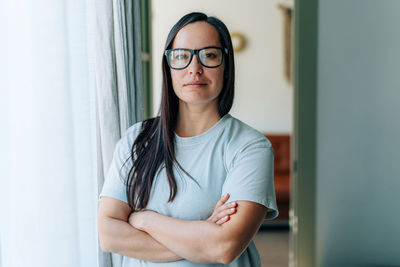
(223,211)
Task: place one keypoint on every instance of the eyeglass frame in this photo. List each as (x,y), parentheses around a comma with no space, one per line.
(196,52)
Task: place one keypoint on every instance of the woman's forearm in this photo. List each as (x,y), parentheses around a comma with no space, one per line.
(120,237)
(197,241)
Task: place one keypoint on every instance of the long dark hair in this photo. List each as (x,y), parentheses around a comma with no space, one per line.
(153,149)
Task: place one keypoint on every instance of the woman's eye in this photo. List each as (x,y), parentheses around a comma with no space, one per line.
(211,55)
(180,57)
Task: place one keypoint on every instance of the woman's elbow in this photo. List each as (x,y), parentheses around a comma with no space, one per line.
(228,258)
(227,252)
(104,244)
(105,248)
(105,236)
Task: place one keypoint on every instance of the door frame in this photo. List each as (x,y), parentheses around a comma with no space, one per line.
(303,193)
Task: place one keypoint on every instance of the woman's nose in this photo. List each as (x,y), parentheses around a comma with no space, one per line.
(195,67)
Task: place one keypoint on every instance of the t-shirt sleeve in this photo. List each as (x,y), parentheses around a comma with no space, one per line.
(251,176)
(114,181)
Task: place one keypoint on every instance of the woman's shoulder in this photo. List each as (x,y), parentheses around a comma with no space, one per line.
(125,142)
(128,137)
(241,137)
(131,134)
(242,134)
(133,131)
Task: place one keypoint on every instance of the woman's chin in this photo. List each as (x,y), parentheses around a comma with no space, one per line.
(199,101)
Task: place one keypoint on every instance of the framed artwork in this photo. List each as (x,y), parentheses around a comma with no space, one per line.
(287,42)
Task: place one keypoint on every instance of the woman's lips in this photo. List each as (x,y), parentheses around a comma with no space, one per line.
(195,84)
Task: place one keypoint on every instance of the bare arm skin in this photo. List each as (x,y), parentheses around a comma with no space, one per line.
(203,241)
(118,236)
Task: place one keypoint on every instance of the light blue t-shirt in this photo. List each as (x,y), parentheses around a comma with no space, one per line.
(231,157)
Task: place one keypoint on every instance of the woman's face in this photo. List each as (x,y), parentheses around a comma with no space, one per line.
(196,84)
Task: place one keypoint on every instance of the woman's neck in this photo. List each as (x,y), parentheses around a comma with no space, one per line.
(193,121)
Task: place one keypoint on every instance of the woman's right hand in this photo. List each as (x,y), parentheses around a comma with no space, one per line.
(222,211)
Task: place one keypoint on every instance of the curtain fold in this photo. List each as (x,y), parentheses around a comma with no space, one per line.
(115,45)
(48,196)
(71,85)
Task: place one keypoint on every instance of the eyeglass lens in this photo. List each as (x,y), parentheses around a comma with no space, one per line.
(209,57)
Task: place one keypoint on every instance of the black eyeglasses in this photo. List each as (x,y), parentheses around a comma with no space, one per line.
(210,57)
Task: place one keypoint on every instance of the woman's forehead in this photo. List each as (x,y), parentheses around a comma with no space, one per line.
(196,35)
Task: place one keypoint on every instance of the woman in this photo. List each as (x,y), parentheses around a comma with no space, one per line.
(164,199)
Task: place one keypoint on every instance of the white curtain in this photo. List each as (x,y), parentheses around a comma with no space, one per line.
(70,75)
(48,145)
(115,53)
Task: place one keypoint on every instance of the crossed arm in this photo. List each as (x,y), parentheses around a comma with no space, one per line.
(151,236)
(118,236)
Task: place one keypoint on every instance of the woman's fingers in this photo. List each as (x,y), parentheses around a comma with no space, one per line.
(222,200)
(222,210)
(223,220)
(227,210)
(225,207)
(217,208)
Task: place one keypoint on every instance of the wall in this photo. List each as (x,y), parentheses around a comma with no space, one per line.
(263,97)
(358,130)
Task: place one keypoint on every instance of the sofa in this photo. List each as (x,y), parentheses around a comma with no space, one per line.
(281,146)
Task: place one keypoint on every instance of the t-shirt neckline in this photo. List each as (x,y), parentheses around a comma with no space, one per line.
(203,136)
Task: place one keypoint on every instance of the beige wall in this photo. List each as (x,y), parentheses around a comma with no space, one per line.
(263,97)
